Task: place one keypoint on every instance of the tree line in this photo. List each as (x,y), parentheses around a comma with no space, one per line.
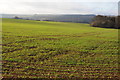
(106,21)
(98,21)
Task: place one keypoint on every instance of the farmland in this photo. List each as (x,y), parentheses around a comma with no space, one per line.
(41,49)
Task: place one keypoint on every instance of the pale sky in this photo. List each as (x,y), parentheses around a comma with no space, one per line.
(105,7)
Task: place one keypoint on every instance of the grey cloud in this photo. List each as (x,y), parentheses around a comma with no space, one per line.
(61,7)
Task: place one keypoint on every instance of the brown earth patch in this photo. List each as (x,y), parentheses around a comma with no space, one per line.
(56,69)
(32,47)
(49,39)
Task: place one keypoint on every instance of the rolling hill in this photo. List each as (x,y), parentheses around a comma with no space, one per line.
(77,18)
(44,49)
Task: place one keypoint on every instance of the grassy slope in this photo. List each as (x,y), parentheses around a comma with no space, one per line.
(52,49)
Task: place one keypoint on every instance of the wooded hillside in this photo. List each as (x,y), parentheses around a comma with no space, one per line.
(106,21)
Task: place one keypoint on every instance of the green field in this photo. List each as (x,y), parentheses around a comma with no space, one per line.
(41,49)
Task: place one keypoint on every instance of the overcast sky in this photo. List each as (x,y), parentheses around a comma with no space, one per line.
(105,7)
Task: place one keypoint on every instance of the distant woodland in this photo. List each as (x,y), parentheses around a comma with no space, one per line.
(106,21)
(94,21)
